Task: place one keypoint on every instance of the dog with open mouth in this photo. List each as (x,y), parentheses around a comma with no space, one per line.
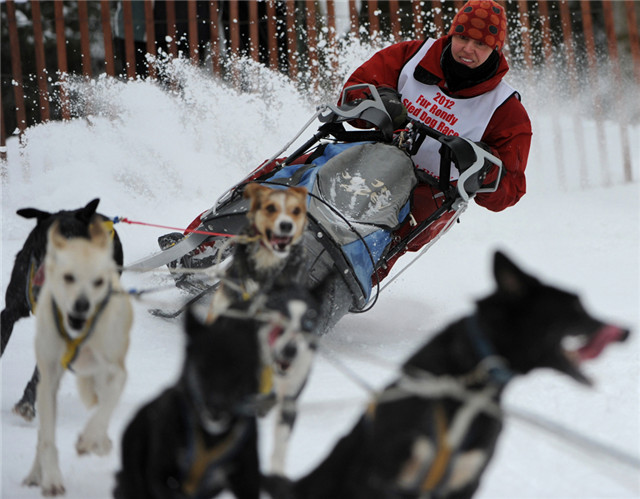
(27,276)
(290,345)
(83,321)
(433,431)
(269,250)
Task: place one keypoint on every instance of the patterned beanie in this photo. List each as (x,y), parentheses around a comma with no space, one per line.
(483,20)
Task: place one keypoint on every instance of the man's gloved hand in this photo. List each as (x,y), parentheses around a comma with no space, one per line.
(394,106)
(475,181)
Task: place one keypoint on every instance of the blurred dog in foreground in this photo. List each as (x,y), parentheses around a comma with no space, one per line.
(433,431)
(199,437)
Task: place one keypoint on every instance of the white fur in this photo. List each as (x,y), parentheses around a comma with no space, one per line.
(288,384)
(79,269)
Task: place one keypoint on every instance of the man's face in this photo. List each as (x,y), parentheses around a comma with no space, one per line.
(472,53)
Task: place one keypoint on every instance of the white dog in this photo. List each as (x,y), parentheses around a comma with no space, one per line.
(82,324)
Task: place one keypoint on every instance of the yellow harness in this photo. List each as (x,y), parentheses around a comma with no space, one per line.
(31,292)
(436,467)
(266,380)
(204,458)
(441,462)
(73,344)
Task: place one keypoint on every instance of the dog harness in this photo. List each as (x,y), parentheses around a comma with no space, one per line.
(201,465)
(428,471)
(35,280)
(73,344)
(203,461)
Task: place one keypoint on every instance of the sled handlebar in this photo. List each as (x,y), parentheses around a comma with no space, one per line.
(371,110)
(468,157)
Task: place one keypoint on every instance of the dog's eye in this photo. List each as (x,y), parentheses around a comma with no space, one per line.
(69,278)
(98,282)
(271,208)
(297,210)
(309,320)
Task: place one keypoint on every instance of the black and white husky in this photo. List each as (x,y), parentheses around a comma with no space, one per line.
(290,345)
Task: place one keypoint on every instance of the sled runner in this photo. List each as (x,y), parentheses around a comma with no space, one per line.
(360,184)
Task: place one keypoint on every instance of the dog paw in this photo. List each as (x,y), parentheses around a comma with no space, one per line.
(56,489)
(99,446)
(50,487)
(32,480)
(25,409)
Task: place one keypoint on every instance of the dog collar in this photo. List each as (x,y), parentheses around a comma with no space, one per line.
(490,363)
(73,344)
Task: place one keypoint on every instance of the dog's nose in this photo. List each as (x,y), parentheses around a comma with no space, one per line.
(286,227)
(81,305)
(289,351)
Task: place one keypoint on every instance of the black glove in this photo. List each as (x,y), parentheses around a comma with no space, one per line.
(394,106)
(465,155)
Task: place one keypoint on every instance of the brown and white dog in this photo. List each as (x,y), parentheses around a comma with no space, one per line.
(83,321)
(268,262)
(268,251)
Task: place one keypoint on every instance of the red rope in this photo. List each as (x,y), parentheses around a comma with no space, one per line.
(185,231)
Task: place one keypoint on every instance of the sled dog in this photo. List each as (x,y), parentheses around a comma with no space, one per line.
(269,249)
(433,431)
(291,347)
(82,324)
(28,275)
(199,437)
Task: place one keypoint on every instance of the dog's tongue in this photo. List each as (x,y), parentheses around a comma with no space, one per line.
(599,341)
(274,334)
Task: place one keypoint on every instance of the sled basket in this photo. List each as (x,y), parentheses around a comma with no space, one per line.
(359,184)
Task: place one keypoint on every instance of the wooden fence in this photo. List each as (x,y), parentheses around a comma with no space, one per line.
(45,41)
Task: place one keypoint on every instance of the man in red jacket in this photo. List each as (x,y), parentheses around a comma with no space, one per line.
(455,85)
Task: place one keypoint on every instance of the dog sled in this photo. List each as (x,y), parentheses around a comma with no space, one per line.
(360,184)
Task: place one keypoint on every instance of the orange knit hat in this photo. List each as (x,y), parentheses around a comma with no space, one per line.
(483,20)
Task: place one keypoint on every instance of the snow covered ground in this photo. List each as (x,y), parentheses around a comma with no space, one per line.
(162,158)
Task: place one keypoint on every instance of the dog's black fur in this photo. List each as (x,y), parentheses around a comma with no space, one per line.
(73,223)
(215,402)
(208,407)
(397,449)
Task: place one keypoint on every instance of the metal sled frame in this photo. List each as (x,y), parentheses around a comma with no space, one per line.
(228,215)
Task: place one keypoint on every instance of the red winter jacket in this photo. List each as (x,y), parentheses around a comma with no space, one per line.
(508,132)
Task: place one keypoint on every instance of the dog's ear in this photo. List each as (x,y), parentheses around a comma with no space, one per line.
(301,192)
(56,239)
(251,189)
(39,215)
(509,277)
(98,233)
(86,214)
(254,192)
